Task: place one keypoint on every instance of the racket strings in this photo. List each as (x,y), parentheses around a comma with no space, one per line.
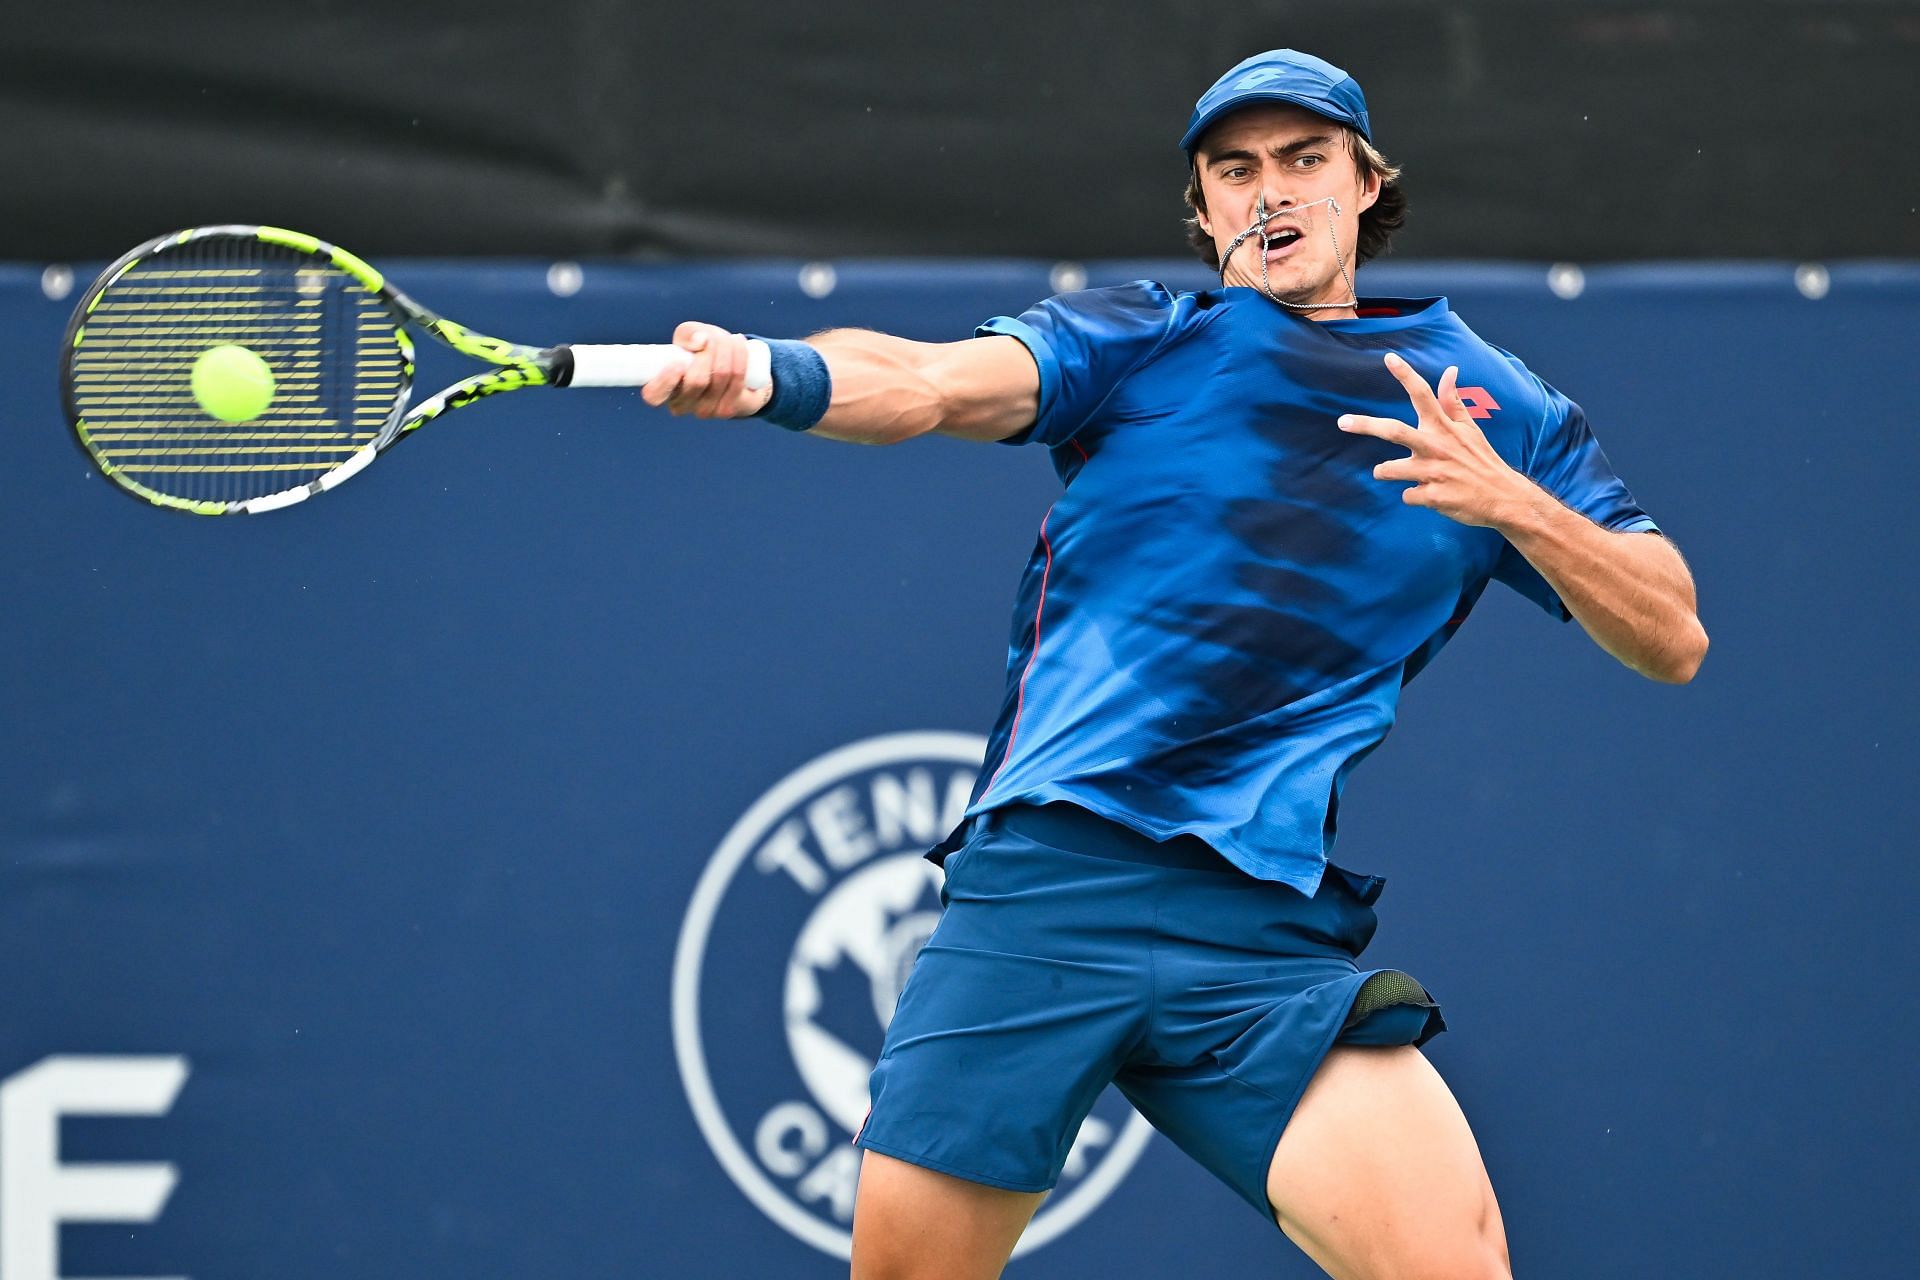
(329,344)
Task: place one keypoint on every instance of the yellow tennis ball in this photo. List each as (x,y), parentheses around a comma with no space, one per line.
(232,383)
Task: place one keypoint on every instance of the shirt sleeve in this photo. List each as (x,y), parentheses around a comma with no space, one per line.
(1568,463)
(1084,344)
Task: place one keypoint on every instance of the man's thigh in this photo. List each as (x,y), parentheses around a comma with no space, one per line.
(1377,1174)
(910,1223)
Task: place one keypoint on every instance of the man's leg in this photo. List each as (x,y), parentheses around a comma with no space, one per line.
(911,1222)
(1377,1176)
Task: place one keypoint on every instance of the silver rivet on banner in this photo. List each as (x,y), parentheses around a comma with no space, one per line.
(565,278)
(1067,277)
(57,281)
(817,279)
(1566,280)
(1812,280)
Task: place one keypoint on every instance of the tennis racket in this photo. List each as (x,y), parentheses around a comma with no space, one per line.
(325,354)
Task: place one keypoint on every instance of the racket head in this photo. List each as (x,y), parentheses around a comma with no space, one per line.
(324,323)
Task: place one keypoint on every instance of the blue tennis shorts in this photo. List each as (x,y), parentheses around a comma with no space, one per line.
(1075,952)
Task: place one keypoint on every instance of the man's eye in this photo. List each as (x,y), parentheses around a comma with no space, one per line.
(1237,171)
(1309,161)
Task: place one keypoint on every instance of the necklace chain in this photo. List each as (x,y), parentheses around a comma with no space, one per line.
(1259,224)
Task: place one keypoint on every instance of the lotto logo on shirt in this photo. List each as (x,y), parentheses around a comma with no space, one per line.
(1479,402)
(797,942)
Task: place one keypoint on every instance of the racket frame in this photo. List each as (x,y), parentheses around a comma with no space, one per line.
(516,365)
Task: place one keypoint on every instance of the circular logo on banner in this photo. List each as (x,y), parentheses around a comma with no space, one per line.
(800,935)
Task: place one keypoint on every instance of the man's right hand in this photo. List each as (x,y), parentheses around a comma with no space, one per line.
(713,383)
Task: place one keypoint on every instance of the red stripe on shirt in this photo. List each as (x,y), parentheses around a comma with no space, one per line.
(1020,698)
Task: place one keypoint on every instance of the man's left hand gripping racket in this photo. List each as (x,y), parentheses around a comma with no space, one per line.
(237,369)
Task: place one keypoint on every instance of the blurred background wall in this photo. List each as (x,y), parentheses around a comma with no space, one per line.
(1556,129)
(404,883)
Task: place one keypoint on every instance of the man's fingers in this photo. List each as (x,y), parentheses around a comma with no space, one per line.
(1449,393)
(711,381)
(710,385)
(663,385)
(1417,389)
(1388,429)
(727,372)
(695,378)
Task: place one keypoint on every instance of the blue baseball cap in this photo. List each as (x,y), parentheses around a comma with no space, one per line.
(1281,75)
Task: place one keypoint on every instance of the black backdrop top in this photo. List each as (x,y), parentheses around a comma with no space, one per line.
(1528,128)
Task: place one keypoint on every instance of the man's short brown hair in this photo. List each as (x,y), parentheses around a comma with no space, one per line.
(1377,224)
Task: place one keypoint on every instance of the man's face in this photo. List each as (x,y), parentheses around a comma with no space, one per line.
(1294,158)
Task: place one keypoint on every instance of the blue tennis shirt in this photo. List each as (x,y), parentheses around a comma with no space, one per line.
(1222,607)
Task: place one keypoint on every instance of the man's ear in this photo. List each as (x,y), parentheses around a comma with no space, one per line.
(1370,193)
(1199,202)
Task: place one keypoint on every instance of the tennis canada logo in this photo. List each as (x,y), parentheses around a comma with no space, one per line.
(799,937)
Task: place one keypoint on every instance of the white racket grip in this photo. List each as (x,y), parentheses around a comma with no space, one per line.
(636,364)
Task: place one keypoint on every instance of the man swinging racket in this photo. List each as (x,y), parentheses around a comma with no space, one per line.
(1252,555)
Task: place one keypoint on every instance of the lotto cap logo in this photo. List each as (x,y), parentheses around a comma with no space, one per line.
(797,942)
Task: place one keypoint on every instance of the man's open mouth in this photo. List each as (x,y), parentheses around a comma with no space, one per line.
(1281,237)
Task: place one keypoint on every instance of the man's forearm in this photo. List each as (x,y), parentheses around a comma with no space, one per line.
(855,384)
(888,389)
(881,391)
(1631,592)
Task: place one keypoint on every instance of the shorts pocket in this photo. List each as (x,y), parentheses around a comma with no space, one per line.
(1349,897)
(950,870)
(1365,889)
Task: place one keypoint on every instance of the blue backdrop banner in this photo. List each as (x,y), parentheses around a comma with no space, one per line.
(505,864)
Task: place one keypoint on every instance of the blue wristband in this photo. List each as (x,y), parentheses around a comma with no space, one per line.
(802,387)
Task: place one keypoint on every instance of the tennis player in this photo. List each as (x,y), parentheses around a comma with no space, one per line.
(1254,551)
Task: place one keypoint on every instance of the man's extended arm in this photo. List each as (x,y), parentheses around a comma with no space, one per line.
(885,389)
